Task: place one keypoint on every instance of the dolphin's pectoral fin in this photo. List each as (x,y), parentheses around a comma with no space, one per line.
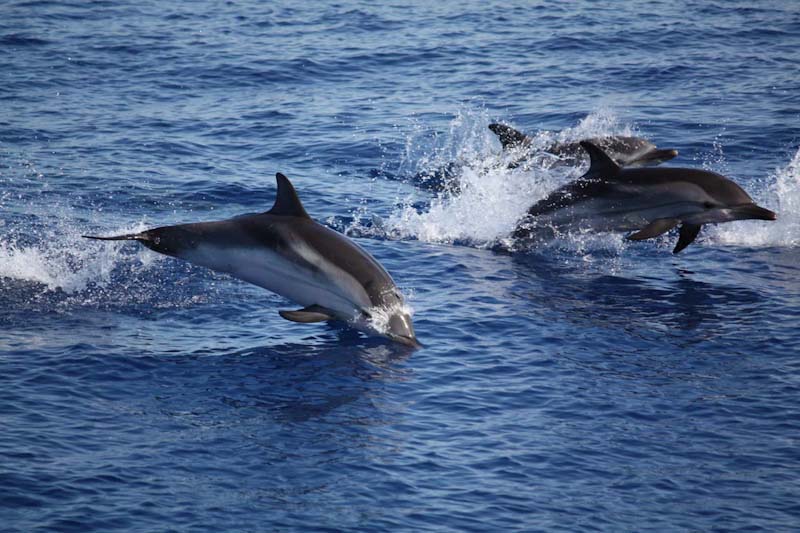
(654,229)
(308,315)
(687,236)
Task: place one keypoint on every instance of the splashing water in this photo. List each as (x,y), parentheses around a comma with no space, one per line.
(781,193)
(62,260)
(380,316)
(45,263)
(492,197)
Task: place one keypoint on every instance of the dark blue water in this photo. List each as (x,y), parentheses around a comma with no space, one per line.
(591,384)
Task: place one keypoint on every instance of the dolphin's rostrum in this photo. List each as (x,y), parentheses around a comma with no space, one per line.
(286,252)
(647,201)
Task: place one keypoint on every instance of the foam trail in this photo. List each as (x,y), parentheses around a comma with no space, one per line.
(783,197)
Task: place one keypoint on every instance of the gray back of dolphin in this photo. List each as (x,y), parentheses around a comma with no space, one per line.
(649,201)
(626,151)
(285,251)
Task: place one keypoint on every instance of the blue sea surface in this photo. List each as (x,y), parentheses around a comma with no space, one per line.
(588,384)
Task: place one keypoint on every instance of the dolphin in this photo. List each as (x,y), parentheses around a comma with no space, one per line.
(283,250)
(647,201)
(626,151)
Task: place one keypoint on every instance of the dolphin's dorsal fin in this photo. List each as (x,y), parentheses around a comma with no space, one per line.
(509,137)
(600,164)
(286,201)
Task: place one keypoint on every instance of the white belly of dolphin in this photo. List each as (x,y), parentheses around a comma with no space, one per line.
(311,281)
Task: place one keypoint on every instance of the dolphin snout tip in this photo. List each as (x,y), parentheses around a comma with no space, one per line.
(401,330)
(411,342)
(760,213)
(663,154)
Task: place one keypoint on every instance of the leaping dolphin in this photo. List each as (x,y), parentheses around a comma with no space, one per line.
(648,201)
(286,252)
(626,151)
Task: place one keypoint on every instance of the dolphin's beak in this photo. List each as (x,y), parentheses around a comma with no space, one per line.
(407,341)
(402,330)
(656,157)
(753,211)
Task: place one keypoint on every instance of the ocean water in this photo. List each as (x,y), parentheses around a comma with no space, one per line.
(589,384)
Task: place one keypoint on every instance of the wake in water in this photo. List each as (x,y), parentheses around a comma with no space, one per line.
(51,268)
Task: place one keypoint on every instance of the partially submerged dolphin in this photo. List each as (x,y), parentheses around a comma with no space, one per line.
(286,252)
(626,151)
(648,201)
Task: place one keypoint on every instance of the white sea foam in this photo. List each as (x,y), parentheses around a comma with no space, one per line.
(47,248)
(62,260)
(780,191)
(492,197)
(380,316)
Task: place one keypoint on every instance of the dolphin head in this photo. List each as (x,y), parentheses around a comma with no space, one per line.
(390,317)
(635,151)
(716,213)
(725,201)
(652,157)
(401,329)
